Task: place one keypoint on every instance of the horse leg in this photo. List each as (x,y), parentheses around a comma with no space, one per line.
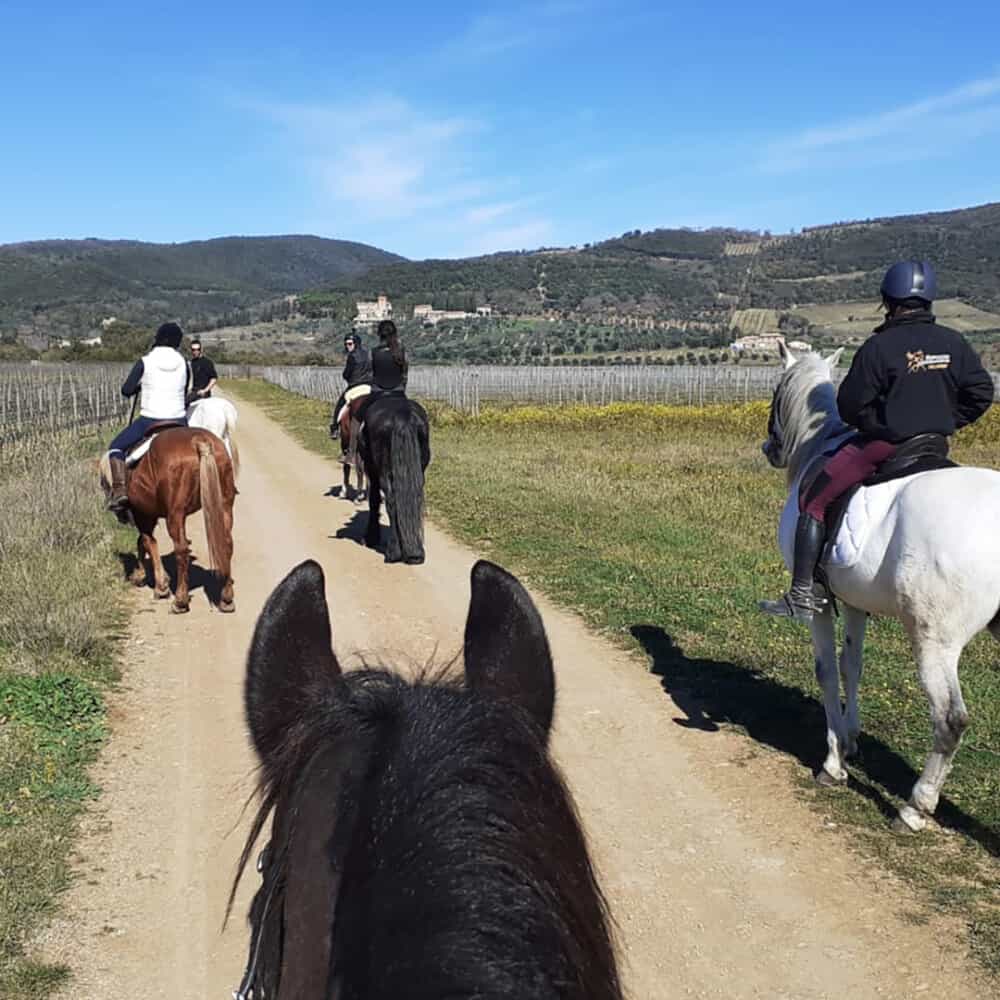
(937,663)
(182,553)
(825,649)
(855,622)
(147,541)
(374,533)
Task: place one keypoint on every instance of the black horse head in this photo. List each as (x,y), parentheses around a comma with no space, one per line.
(423,844)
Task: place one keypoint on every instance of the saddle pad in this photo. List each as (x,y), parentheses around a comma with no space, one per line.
(133,457)
(867,508)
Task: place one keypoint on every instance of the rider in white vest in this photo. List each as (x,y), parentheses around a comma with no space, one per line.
(161,375)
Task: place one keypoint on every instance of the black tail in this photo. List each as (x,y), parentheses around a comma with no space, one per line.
(406,482)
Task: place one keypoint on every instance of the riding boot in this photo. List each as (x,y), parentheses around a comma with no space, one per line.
(118,502)
(801,602)
(334,430)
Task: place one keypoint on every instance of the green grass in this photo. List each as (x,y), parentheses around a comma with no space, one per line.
(657,524)
(62,606)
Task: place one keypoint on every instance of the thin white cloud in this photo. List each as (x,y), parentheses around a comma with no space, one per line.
(382,160)
(962,115)
(495,33)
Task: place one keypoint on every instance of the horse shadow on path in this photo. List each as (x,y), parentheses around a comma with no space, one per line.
(199,578)
(715,692)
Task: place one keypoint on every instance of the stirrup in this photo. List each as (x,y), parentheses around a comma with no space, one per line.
(799,608)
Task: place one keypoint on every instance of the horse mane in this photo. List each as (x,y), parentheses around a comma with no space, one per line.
(807,411)
(462,866)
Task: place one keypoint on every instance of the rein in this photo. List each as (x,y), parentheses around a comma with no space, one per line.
(247,990)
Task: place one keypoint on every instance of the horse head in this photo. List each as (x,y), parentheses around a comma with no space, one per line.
(420,832)
(803,407)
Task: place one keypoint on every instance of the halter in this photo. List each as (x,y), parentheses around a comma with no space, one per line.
(247,990)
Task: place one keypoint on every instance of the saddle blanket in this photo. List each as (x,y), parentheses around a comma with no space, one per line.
(133,457)
(868,507)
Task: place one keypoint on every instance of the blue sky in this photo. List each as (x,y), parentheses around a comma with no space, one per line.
(448,129)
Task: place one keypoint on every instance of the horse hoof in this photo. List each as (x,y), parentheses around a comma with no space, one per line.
(162,594)
(179,609)
(414,560)
(901,827)
(227,607)
(826,780)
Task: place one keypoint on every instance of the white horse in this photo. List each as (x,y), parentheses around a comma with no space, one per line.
(217,415)
(930,557)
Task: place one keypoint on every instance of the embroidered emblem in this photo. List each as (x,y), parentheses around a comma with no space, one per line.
(918,361)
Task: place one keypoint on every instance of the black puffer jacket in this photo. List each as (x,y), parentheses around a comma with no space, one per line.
(914,377)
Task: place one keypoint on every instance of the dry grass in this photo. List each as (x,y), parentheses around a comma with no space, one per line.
(61,597)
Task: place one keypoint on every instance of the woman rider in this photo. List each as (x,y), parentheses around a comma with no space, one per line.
(389,365)
(161,375)
(912,378)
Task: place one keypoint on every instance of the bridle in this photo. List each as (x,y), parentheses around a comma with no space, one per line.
(269,872)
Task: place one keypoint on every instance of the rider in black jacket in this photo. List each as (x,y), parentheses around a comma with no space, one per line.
(357,371)
(912,378)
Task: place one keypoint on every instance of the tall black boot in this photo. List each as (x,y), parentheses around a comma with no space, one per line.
(801,603)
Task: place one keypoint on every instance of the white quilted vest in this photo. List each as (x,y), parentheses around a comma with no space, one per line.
(164,381)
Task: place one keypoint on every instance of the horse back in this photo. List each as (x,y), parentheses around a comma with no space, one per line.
(168,476)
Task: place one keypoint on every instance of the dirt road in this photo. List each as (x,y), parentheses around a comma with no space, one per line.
(722,883)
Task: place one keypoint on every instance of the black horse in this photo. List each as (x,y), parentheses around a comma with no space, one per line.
(395,447)
(423,844)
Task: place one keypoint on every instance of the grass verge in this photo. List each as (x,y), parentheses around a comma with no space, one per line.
(657,523)
(62,604)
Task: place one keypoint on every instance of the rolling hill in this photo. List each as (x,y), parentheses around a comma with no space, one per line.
(65,287)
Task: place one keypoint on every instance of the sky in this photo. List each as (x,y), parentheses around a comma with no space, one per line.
(446,129)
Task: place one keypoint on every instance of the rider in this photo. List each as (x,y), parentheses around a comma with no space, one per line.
(162,377)
(357,372)
(390,368)
(914,377)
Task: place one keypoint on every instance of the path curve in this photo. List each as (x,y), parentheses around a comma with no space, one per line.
(723,884)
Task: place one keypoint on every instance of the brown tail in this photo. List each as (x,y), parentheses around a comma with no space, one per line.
(212,508)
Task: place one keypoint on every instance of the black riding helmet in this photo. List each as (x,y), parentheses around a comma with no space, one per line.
(910,279)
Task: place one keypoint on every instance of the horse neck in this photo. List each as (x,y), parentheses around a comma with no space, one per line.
(820,428)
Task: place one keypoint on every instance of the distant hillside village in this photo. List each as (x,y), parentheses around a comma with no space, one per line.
(369,313)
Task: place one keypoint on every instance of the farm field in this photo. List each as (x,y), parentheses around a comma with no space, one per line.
(857,319)
(657,524)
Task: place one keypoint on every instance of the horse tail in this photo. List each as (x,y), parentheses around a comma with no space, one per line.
(406,476)
(230,437)
(212,508)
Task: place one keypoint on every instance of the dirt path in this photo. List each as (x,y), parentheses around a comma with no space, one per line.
(722,883)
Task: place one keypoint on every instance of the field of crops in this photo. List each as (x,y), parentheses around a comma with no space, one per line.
(39,400)
(466,388)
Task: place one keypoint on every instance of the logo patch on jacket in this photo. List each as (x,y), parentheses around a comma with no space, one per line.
(918,361)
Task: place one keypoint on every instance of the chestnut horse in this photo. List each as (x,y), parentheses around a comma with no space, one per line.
(185,469)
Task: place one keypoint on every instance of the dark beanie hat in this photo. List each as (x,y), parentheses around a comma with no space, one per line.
(169,335)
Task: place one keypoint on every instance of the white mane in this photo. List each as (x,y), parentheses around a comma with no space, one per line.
(806,403)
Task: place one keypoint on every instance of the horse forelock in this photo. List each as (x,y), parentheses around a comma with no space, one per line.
(455,806)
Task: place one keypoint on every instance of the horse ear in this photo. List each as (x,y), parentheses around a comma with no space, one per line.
(291,662)
(786,354)
(506,650)
(834,358)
